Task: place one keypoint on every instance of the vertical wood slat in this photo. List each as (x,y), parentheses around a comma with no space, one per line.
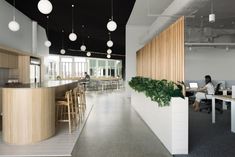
(163,56)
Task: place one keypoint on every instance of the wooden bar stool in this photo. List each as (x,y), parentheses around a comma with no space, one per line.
(65,110)
(76,104)
(82,98)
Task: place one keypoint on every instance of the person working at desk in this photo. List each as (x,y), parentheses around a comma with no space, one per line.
(205,92)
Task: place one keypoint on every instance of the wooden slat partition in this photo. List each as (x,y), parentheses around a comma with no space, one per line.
(163,56)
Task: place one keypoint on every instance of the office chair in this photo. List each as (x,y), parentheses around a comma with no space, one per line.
(206,104)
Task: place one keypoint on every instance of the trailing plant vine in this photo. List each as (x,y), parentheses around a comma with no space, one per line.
(160,91)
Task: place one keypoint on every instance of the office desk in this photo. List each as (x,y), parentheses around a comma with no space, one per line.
(227,98)
(191,89)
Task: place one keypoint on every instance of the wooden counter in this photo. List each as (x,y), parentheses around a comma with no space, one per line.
(29,113)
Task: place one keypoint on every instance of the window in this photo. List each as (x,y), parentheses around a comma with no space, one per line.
(67,67)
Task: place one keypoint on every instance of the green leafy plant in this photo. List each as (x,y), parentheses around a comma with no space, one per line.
(160,91)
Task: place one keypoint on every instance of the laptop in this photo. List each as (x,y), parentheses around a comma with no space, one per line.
(193,85)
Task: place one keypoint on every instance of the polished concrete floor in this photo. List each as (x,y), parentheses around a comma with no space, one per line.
(114,129)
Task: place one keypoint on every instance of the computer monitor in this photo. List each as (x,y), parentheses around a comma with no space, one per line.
(193,85)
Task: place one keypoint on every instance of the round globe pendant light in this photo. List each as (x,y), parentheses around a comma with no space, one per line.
(212,15)
(83,48)
(72,36)
(110,43)
(112,25)
(108,56)
(109,51)
(62,51)
(47,43)
(88,54)
(45,6)
(13,25)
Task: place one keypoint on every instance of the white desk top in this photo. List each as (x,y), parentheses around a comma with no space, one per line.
(224,97)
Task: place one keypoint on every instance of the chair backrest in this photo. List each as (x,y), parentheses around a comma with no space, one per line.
(217,88)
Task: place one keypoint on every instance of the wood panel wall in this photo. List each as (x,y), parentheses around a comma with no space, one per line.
(163,56)
(24,69)
(28,115)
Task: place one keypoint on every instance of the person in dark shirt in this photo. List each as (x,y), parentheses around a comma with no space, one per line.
(87,77)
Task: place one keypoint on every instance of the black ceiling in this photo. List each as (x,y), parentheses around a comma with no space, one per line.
(93,14)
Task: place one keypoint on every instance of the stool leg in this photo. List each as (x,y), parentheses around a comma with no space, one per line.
(57,115)
(84,100)
(69,118)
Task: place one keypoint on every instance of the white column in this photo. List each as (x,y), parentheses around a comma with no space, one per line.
(115,71)
(88,66)
(106,68)
(34,37)
(96,69)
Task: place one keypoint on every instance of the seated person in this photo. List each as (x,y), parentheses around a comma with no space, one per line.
(205,92)
(58,77)
(87,77)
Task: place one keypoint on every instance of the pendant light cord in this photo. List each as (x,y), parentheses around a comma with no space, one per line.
(47,27)
(212,7)
(82,34)
(111,9)
(72,18)
(109,36)
(14,4)
(62,42)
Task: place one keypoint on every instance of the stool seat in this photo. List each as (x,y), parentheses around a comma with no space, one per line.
(65,109)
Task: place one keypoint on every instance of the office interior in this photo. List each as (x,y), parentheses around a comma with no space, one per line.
(209,50)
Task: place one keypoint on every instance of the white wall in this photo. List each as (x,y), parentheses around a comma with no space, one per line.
(22,39)
(41,38)
(133,36)
(216,62)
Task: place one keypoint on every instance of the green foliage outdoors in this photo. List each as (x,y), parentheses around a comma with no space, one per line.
(160,91)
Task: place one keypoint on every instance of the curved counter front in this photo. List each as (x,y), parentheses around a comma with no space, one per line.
(29,113)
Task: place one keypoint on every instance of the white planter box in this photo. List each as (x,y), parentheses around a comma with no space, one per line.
(170,124)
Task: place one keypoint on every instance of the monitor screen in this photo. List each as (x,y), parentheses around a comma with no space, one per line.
(193,85)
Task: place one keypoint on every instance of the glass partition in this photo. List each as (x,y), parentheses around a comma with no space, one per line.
(67,67)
